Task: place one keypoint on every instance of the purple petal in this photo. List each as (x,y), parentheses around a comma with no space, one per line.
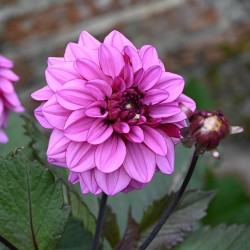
(75,51)
(148,56)
(97,109)
(54,113)
(112,183)
(172,83)
(86,40)
(134,58)
(73,95)
(8,74)
(155,96)
(55,60)
(3,137)
(59,74)
(154,140)
(139,162)
(77,126)
(118,40)
(133,185)
(127,75)
(99,132)
(42,94)
(164,110)
(150,78)
(187,101)
(5,62)
(135,134)
(119,85)
(111,60)
(90,71)
(58,145)
(138,76)
(6,86)
(166,163)
(121,127)
(40,117)
(88,180)
(73,177)
(110,154)
(80,156)
(99,89)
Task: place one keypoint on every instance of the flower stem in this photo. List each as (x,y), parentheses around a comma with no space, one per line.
(100,221)
(7,244)
(173,205)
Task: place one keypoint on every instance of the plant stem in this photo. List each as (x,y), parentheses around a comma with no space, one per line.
(100,221)
(7,244)
(173,205)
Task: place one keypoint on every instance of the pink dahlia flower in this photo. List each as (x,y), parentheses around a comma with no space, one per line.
(114,113)
(8,98)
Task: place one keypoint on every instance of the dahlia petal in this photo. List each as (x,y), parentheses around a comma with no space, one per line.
(110,154)
(6,86)
(99,132)
(135,134)
(90,71)
(97,109)
(8,74)
(174,118)
(127,75)
(139,162)
(154,140)
(161,64)
(54,113)
(166,163)
(74,51)
(112,183)
(40,117)
(73,177)
(187,101)
(111,60)
(57,147)
(72,95)
(99,89)
(86,40)
(155,96)
(172,83)
(12,102)
(42,94)
(3,137)
(148,56)
(5,62)
(119,84)
(88,179)
(55,60)
(121,127)
(164,110)
(150,78)
(134,57)
(77,126)
(138,76)
(118,40)
(133,185)
(58,74)
(170,129)
(80,156)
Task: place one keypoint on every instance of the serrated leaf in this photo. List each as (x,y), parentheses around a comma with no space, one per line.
(39,144)
(110,227)
(131,235)
(75,237)
(191,208)
(221,238)
(32,214)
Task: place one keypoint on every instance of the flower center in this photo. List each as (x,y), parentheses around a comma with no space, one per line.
(131,102)
(212,123)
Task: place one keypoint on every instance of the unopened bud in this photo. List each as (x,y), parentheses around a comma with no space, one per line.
(206,130)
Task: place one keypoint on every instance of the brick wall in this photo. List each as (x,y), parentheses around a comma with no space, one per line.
(193,37)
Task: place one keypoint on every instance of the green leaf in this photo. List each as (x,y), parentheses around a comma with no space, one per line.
(221,238)
(231,205)
(75,199)
(32,214)
(75,237)
(189,211)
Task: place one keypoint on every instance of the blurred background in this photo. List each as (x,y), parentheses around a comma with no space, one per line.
(208,42)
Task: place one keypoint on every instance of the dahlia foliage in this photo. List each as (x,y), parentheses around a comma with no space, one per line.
(8,98)
(114,113)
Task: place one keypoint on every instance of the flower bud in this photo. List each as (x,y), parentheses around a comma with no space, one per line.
(206,130)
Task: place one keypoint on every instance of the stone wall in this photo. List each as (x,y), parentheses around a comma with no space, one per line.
(208,39)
